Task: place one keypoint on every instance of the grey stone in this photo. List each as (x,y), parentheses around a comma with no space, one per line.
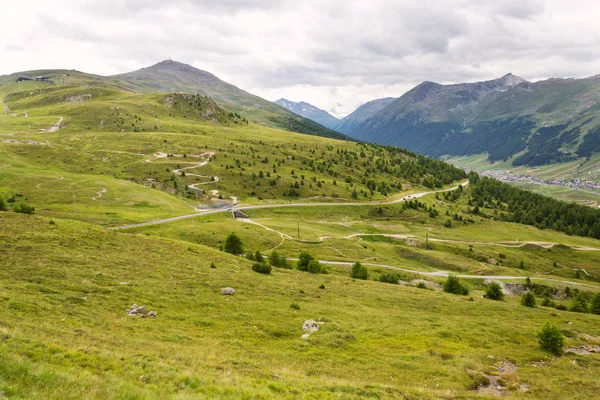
(227,291)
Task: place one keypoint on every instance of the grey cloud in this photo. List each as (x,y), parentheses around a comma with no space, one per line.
(339,52)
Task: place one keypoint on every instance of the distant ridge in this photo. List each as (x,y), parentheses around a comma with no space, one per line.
(309,111)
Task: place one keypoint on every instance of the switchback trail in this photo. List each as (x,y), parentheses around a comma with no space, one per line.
(267,206)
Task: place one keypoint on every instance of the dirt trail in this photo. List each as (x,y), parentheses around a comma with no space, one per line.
(442,273)
(5,107)
(56,126)
(545,245)
(99,194)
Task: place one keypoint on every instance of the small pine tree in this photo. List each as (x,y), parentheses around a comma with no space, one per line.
(595,304)
(314,267)
(453,285)
(304,259)
(233,244)
(551,339)
(359,271)
(579,304)
(528,299)
(258,256)
(494,292)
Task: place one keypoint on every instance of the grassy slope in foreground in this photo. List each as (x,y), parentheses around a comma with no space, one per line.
(65,332)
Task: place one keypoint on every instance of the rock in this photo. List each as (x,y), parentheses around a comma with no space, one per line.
(137,311)
(490,357)
(305,336)
(227,291)
(310,326)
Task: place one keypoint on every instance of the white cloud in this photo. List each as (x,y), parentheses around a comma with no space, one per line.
(323,52)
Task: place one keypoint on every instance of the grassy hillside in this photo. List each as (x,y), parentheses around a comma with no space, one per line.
(92,159)
(66,332)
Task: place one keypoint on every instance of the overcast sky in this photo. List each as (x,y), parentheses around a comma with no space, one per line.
(333,54)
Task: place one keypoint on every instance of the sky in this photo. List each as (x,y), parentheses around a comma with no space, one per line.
(333,54)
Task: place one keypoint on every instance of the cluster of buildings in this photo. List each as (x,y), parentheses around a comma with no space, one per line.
(509,176)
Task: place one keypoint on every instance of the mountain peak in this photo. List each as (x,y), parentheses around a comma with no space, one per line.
(510,80)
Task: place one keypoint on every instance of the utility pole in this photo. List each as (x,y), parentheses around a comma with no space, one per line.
(298,222)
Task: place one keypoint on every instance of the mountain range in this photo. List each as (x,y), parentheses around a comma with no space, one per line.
(509,119)
(173,76)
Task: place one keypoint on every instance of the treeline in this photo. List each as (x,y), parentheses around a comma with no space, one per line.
(529,208)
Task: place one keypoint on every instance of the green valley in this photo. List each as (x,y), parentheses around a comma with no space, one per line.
(129,190)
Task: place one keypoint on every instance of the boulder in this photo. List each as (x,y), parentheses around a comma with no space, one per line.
(227,291)
(310,326)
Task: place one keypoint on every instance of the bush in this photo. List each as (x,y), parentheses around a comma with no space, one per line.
(24,209)
(494,292)
(314,267)
(561,307)
(453,285)
(277,260)
(322,286)
(359,271)
(551,339)
(2,205)
(304,259)
(547,302)
(595,304)
(294,306)
(579,304)
(389,277)
(422,285)
(528,299)
(261,268)
(233,244)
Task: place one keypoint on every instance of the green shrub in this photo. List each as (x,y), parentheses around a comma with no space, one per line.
(359,271)
(2,205)
(579,304)
(294,306)
(322,286)
(304,259)
(551,339)
(277,260)
(494,292)
(422,285)
(233,244)
(314,267)
(389,277)
(595,304)
(23,209)
(528,299)
(261,268)
(547,302)
(453,285)
(561,307)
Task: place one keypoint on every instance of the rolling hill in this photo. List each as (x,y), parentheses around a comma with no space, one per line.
(172,76)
